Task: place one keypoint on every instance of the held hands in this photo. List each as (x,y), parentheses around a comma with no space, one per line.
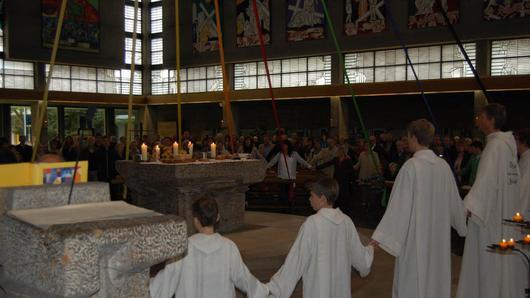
(374,243)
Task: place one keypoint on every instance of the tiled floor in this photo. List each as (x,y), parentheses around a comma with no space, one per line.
(267,237)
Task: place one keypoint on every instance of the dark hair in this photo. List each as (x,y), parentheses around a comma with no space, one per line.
(496,112)
(477,144)
(289,145)
(523,136)
(205,209)
(423,130)
(326,187)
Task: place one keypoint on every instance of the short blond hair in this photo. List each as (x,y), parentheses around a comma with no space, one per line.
(423,130)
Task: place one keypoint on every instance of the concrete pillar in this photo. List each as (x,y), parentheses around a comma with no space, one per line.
(338,125)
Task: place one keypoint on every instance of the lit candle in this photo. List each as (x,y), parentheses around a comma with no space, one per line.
(157,152)
(175,149)
(190,148)
(517,217)
(526,239)
(144,152)
(511,243)
(213,150)
(503,244)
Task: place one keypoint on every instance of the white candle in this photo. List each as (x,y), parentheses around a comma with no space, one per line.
(213,150)
(190,148)
(175,149)
(157,152)
(144,152)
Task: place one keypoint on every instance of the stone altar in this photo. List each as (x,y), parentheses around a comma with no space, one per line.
(172,188)
(92,248)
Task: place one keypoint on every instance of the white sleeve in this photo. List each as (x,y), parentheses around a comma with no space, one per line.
(165,283)
(392,231)
(243,279)
(456,205)
(362,256)
(301,161)
(273,161)
(282,284)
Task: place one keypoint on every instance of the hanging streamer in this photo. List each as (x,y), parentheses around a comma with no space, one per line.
(464,52)
(179,95)
(396,30)
(131,84)
(266,64)
(43,108)
(352,92)
(226,85)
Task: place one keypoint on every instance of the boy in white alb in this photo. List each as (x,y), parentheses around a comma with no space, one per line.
(326,249)
(212,267)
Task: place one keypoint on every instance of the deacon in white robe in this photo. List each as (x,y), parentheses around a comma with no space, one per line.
(326,248)
(212,267)
(493,197)
(416,227)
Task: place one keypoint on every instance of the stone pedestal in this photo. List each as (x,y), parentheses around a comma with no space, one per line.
(93,248)
(172,188)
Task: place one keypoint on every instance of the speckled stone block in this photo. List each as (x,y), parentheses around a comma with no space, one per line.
(172,188)
(104,257)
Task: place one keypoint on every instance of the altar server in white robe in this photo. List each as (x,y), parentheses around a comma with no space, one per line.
(212,267)
(523,147)
(416,227)
(324,252)
(493,197)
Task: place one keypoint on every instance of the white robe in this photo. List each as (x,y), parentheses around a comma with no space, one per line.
(326,248)
(524,168)
(416,227)
(212,268)
(493,197)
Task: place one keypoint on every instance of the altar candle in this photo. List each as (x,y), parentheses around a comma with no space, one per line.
(144,152)
(517,217)
(213,150)
(526,239)
(157,152)
(175,149)
(190,148)
(511,243)
(503,244)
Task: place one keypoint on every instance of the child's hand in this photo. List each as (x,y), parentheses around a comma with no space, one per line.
(374,243)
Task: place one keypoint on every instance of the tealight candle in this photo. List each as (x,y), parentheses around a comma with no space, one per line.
(503,244)
(517,217)
(511,243)
(175,149)
(213,150)
(526,239)
(157,152)
(144,152)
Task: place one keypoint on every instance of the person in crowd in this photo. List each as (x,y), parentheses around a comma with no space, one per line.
(493,197)
(324,252)
(460,158)
(6,155)
(368,164)
(344,177)
(88,153)
(266,147)
(212,267)
(468,174)
(25,150)
(424,202)
(287,162)
(69,149)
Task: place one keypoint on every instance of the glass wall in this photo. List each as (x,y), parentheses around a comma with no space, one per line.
(121,118)
(20,123)
(74,118)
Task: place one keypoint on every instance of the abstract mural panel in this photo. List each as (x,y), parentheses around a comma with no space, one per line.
(246,30)
(506,9)
(364,16)
(204,34)
(428,13)
(305,20)
(81,24)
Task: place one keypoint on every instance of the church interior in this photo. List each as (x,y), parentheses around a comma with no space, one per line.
(260,148)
